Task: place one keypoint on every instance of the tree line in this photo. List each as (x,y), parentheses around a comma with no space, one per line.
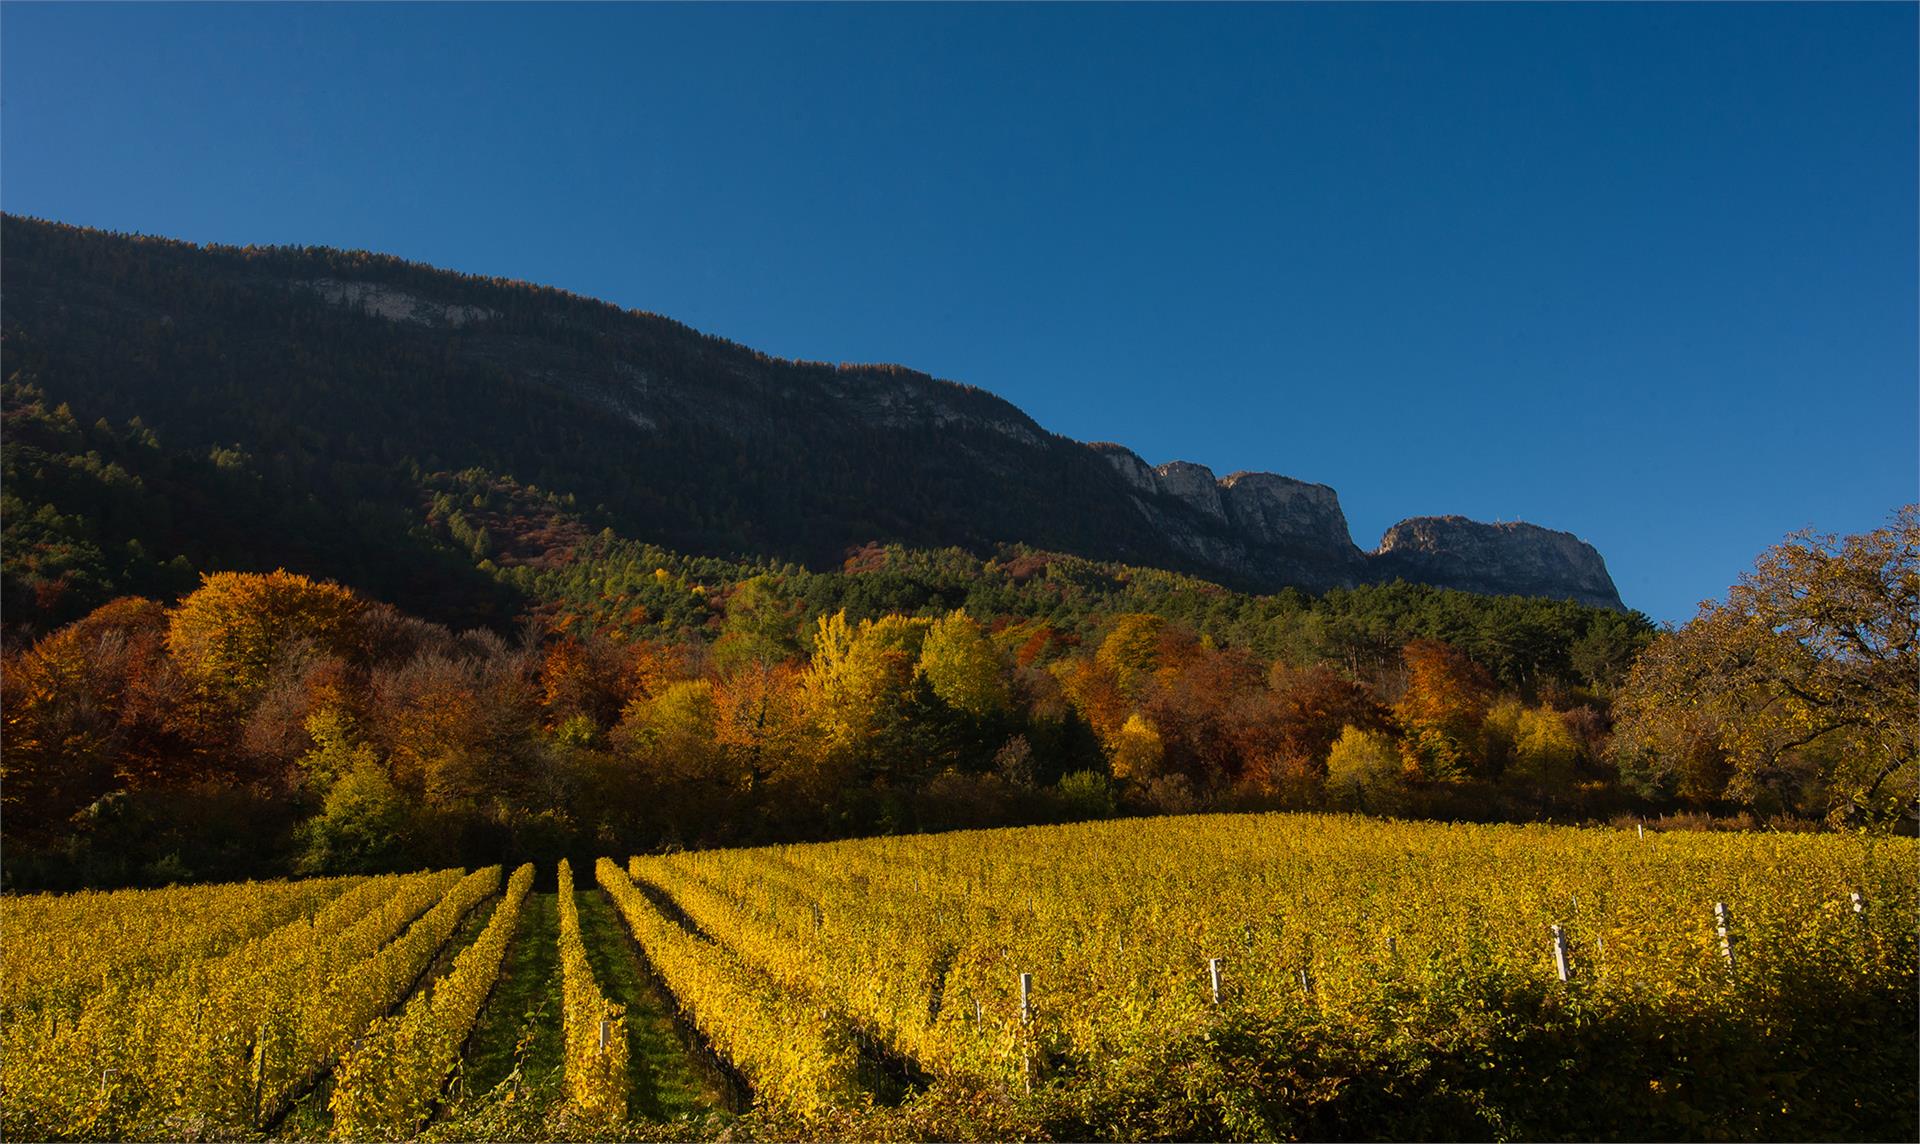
(276,723)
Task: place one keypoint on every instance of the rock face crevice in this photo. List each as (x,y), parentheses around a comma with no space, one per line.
(1266,527)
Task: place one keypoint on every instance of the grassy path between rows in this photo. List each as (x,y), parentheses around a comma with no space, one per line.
(512,1085)
(668,1081)
(517,1039)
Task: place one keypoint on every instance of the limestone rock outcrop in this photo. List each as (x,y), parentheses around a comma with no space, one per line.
(1194,484)
(1280,510)
(1512,558)
(1267,528)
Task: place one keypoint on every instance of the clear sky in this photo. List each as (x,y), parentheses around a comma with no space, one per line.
(1644,273)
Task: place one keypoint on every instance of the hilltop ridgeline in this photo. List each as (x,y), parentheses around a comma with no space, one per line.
(345,375)
(1263,526)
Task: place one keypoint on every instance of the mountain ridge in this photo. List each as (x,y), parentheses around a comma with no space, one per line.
(350,361)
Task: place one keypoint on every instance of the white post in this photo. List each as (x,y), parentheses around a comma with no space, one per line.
(603,1034)
(1213,971)
(1723,924)
(1562,963)
(1306,980)
(1026,1018)
(1641,827)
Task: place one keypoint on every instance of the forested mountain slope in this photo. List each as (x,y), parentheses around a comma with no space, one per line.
(299,407)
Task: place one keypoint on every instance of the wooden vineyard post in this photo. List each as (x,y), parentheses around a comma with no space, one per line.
(1723,925)
(1641,829)
(1026,1023)
(603,1035)
(1562,961)
(1306,980)
(1213,973)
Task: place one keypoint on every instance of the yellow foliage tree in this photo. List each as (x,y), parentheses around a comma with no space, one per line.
(1364,772)
(1137,750)
(1131,651)
(1541,749)
(858,684)
(224,636)
(1801,686)
(961,665)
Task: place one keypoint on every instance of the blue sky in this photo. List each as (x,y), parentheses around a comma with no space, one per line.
(1644,273)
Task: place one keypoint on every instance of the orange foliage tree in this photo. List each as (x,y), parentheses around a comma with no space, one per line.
(1442,711)
(81,715)
(225,635)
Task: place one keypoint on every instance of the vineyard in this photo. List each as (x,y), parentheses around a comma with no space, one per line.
(1217,977)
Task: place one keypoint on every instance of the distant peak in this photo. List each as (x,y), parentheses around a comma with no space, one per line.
(1508,557)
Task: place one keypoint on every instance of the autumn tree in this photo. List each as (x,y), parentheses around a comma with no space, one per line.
(80,714)
(457,728)
(962,667)
(303,681)
(1308,709)
(225,634)
(1539,748)
(653,665)
(1364,773)
(1209,705)
(758,720)
(1442,710)
(693,780)
(1801,686)
(1091,693)
(1132,652)
(582,680)
(1137,750)
(1107,688)
(859,693)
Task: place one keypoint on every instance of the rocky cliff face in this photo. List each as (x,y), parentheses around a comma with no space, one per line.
(1514,559)
(1270,528)
(1259,527)
(1280,510)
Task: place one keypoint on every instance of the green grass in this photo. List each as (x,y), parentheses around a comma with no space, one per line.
(510,1078)
(667,1081)
(512,1087)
